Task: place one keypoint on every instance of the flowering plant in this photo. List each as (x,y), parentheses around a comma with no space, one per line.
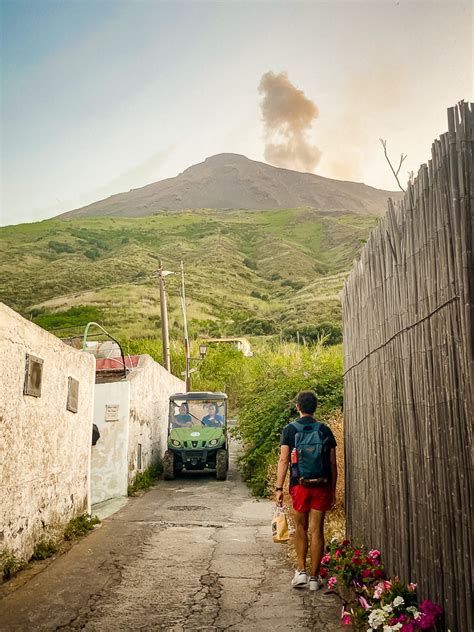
(352,565)
(381,604)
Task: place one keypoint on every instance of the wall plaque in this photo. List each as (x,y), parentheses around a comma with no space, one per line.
(111,412)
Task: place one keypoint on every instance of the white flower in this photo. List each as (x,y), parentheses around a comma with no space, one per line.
(413,611)
(392,628)
(387,608)
(376,618)
(398,601)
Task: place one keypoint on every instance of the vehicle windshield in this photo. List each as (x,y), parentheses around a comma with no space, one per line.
(206,413)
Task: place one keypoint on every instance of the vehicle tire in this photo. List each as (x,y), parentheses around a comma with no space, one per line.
(221,465)
(168,466)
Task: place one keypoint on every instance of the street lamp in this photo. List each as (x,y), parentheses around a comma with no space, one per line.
(202,351)
(164,316)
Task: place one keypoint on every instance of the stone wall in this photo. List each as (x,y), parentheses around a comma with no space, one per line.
(150,388)
(44,447)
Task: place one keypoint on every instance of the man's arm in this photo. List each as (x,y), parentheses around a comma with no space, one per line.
(281,471)
(333,473)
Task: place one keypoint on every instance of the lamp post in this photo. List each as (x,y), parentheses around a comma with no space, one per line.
(164,317)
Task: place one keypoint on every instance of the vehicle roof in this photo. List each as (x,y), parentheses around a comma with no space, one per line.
(198,395)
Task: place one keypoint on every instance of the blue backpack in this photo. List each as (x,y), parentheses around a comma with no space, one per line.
(311,445)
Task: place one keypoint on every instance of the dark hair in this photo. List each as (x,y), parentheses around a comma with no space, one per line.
(307,402)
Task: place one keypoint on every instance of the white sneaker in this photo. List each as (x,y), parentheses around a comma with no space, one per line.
(315,583)
(300,580)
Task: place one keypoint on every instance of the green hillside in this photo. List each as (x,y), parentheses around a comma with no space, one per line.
(246,271)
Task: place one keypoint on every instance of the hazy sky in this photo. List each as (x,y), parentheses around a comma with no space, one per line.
(101,97)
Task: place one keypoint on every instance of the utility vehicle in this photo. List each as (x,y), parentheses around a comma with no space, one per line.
(197,434)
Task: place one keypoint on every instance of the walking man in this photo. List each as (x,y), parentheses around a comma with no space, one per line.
(311,447)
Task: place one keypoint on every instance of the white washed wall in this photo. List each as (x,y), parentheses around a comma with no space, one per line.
(109,471)
(150,388)
(44,448)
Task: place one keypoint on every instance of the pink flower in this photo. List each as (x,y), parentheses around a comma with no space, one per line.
(412,586)
(379,590)
(366,573)
(357,553)
(430,608)
(356,561)
(364,603)
(345,617)
(407,627)
(387,584)
(326,559)
(426,622)
(332,581)
(400,619)
(374,554)
(338,554)
(323,572)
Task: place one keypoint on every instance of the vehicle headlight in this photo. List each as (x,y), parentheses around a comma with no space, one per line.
(176,443)
(213,441)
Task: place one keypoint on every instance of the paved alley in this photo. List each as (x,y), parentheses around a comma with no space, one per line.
(191,554)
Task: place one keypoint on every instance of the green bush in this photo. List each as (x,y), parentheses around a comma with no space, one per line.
(10,564)
(44,549)
(257,327)
(250,263)
(73,317)
(144,480)
(223,369)
(59,247)
(326,333)
(154,348)
(92,254)
(80,526)
(296,285)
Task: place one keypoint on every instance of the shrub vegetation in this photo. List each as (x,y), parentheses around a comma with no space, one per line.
(267,402)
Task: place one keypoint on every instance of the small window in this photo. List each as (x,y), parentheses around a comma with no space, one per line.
(33,376)
(139,457)
(72,395)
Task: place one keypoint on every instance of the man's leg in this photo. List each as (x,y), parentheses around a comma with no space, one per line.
(316,528)
(301,538)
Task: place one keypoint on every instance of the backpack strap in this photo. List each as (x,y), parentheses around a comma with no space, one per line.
(300,425)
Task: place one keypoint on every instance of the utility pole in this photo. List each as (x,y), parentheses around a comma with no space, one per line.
(164,319)
(186,337)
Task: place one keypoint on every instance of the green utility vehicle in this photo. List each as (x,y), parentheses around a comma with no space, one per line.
(197,434)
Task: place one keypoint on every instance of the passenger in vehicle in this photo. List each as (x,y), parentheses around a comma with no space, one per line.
(212,419)
(183,418)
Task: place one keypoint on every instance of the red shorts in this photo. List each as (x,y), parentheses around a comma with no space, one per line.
(306,498)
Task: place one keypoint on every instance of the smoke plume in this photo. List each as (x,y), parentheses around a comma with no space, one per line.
(288,116)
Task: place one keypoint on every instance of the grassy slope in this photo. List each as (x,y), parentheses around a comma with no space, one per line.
(294,262)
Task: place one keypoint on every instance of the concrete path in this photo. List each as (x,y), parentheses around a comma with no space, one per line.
(191,554)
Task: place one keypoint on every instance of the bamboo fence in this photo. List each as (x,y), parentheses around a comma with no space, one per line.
(408,354)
